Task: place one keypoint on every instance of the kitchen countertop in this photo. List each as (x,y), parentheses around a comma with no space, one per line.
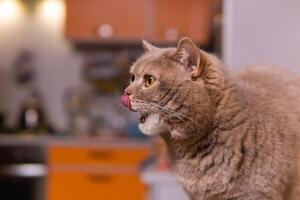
(162,185)
(47,140)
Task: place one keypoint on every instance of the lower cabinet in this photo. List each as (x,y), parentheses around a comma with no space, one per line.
(95,173)
(78,185)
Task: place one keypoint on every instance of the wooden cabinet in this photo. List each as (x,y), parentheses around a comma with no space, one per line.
(61,155)
(132,20)
(176,18)
(105,19)
(96,173)
(79,184)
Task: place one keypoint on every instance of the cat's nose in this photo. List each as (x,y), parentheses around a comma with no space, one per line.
(127,92)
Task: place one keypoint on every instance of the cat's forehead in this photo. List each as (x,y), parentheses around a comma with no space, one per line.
(151,61)
(142,65)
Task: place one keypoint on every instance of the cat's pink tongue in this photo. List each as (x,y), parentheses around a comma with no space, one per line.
(126,101)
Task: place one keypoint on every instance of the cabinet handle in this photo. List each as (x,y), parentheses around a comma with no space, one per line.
(100,155)
(172,34)
(100,178)
(105,31)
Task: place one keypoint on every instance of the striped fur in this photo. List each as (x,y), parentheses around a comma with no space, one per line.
(229,136)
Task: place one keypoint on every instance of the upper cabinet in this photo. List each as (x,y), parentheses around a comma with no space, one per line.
(177,18)
(105,19)
(130,20)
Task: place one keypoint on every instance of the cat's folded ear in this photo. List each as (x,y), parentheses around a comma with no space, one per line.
(148,46)
(188,55)
(201,65)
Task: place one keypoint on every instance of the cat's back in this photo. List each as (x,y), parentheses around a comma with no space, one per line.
(276,96)
(278,91)
(273,83)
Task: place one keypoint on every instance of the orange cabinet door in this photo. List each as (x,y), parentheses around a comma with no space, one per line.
(79,185)
(60,155)
(176,18)
(105,19)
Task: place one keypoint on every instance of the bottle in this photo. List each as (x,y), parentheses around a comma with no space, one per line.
(32,117)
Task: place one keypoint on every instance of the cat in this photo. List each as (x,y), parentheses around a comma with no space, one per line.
(229,136)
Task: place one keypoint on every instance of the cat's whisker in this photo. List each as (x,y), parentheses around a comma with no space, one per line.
(167,112)
(164,110)
(177,113)
(126,63)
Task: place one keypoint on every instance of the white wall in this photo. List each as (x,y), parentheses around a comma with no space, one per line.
(262,32)
(41,32)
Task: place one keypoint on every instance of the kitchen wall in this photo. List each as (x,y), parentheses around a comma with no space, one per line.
(37,27)
(262,32)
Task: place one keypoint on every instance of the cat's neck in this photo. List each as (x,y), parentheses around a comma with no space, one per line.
(233,107)
(188,148)
(213,159)
(232,111)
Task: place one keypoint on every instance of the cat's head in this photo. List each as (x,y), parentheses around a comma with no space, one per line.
(175,90)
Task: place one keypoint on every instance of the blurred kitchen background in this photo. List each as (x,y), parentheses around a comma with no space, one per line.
(64,65)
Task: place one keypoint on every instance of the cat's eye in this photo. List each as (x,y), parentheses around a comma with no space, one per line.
(149,80)
(132,78)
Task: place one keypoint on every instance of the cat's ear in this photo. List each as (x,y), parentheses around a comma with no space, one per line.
(149,47)
(187,53)
(192,58)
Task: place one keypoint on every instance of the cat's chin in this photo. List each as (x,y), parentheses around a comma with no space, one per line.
(150,124)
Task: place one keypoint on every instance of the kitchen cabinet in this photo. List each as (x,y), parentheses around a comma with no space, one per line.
(61,155)
(176,18)
(105,19)
(132,20)
(84,183)
(92,173)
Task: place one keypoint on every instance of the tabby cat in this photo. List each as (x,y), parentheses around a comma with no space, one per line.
(229,136)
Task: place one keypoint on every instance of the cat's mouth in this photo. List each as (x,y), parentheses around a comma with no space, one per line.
(143,117)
